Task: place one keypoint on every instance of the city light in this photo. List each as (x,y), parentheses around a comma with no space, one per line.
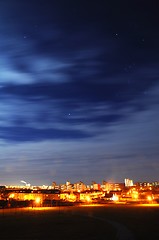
(88,199)
(80,193)
(37,200)
(11,195)
(115,198)
(135,195)
(149,198)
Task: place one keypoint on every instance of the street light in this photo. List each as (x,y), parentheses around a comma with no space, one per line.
(38,201)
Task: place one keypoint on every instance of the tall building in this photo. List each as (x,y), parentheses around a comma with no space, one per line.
(79,186)
(128,182)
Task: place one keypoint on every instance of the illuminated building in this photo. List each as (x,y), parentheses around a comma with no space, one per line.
(28,195)
(128,182)
(96,186)
(70,197)
(79,187)
(113,187)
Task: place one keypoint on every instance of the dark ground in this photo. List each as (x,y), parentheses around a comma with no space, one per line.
(79,222)
(142,221)
(58,223)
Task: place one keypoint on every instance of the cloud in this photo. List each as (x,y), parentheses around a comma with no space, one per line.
(74,110)
(78,89)
(22,134)
(12,76)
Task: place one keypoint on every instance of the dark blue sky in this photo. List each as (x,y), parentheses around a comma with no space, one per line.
(79,91)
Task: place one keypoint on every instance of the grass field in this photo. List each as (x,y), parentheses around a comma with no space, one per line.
(79,222)
(141,220)
(50,224)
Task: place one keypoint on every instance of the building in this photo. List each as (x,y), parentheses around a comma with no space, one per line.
(128,182)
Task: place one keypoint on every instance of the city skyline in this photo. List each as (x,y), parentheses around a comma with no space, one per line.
(79,91)
(126,182)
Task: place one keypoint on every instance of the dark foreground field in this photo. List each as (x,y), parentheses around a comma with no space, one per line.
(55,223)
(81,223)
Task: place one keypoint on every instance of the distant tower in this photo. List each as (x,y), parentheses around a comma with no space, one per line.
(54,185)
(68,185)
(128,182)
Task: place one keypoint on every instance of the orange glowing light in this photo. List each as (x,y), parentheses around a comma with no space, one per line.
(37,200)
(88,199)
(149,198)
(135,195)
(115,198)
(11,195)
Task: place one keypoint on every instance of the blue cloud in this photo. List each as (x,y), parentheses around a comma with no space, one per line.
(23,134)
(83,78)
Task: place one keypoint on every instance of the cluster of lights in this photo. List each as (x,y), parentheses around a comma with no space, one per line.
(38,200)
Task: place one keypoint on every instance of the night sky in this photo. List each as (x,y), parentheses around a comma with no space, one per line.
(79,91)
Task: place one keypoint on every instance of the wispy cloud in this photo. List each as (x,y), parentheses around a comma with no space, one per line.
(78,89)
